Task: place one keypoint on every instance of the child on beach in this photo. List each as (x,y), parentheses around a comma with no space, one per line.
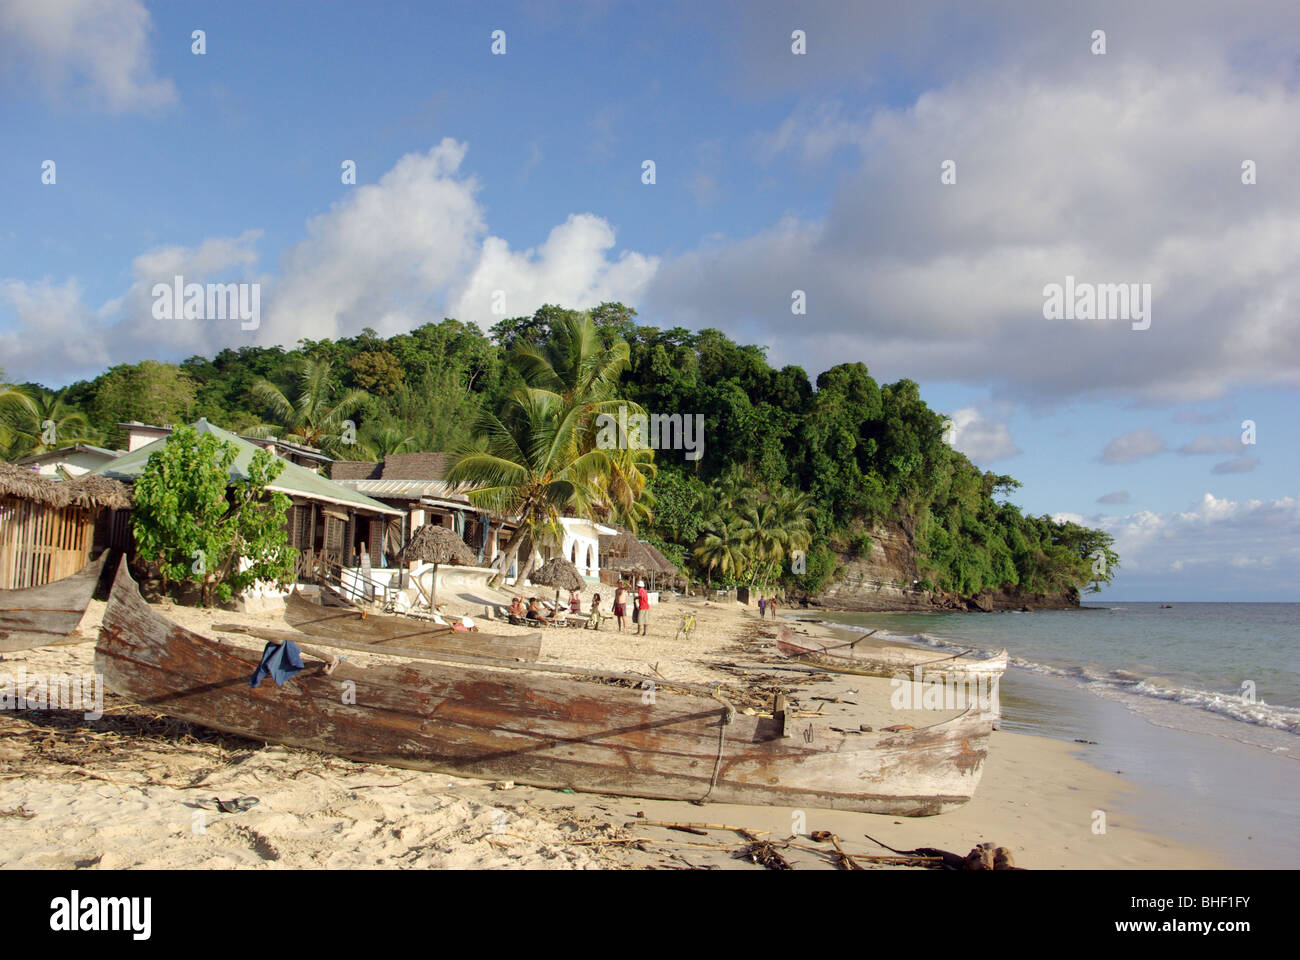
(762,607)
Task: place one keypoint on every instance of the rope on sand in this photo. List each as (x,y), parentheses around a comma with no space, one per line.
(728,714)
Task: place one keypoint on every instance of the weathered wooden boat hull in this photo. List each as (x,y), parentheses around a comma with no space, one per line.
(47,615)
(537,729)
(874,662)
(341,623)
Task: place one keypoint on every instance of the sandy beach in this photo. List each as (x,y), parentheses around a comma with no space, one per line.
(137,789)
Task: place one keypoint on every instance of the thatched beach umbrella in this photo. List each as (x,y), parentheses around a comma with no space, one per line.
(560,574)
(436,544)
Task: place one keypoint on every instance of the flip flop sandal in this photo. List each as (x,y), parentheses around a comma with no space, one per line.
(238,805)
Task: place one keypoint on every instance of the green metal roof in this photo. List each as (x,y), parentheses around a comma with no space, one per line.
(294,480)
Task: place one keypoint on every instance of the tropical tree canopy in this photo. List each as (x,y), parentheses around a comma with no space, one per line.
(522,404)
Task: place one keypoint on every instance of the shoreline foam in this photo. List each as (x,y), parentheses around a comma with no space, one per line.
(1260,713)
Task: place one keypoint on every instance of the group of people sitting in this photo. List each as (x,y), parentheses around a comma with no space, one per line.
(538,611)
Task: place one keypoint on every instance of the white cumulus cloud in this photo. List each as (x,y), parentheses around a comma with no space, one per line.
(411,248)
(92,49)
(980,438)
(572,269)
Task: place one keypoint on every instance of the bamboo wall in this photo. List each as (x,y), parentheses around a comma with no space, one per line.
(40,544)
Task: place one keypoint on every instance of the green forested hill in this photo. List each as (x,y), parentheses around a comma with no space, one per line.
(838,454)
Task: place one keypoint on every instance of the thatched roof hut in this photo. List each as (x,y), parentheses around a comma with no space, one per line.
(434,543)
(665,565)
(90,492)
(47,526)
(625,554)
(668,574)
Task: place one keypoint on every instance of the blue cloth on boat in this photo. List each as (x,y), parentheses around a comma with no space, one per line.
(280,661)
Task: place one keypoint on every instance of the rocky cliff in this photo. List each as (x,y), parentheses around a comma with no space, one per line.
(888,577)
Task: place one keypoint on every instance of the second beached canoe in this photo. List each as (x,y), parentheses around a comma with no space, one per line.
(886,662)
(543,729)
(48,614)
(342,623)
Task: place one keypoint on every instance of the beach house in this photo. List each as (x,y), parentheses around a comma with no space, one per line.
(329,524)
(416,485)
(74,460)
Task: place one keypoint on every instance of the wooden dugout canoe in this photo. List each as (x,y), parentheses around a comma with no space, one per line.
(885,662)
(341,623)
(537,728)
(47,615)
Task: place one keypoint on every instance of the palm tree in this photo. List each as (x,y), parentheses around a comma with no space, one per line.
(626,496)
(721,547)
(313,418)
(10,398)
(539,458)
(754,530)
(378,439)
(577,367)
(36,421)
(574,363)
(756,524)
(776,527)
(522,465)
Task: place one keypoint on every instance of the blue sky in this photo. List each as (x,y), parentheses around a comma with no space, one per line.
(774,172)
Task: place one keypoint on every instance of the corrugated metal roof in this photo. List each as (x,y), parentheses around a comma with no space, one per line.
(414,489)
(64,451)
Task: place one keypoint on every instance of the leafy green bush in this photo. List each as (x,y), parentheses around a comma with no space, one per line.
(196,526)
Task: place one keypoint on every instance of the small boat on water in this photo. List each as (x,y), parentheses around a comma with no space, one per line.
(856,657)
(356,626)
(542,725)
(47,615)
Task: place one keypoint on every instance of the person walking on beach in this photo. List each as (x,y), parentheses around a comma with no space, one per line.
(620,599)
(575,601)
(771,606)
(642,608)
(762,607)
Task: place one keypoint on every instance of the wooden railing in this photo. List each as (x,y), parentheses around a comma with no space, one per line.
(325,568)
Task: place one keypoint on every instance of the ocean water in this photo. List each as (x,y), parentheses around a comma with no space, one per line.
(1230,670)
